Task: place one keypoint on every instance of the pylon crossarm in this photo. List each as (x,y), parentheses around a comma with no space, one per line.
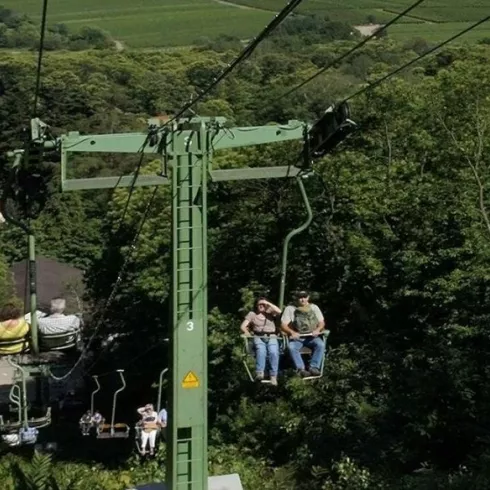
(177,141)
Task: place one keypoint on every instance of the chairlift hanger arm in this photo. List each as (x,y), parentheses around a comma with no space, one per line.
(221,138)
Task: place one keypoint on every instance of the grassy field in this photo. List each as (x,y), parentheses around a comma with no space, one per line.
(434,20)
(155,23)
(148,23)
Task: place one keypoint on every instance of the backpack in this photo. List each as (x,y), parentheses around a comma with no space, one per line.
(305,319)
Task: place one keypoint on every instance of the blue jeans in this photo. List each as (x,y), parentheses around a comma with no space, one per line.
(316,344)
(266,346)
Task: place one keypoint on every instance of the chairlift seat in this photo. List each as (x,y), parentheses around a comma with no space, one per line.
(59,341)
(39,422)
(13,346)
(118,431)
(7,427)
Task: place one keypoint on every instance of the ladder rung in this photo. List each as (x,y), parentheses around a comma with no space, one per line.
(196,186)
(179,291)
(189,228)
(189,206)
(187,460)
(189,249)
(188,269)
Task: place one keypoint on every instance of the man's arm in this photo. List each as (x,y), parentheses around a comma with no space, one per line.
(321,320)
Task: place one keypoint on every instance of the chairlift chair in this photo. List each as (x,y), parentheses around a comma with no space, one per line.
(248,353)
(86,426)
(59,341)
(24,430)
(114,430)
(139,426)
(16,346)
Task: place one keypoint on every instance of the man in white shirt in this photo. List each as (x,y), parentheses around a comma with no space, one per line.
(57,322)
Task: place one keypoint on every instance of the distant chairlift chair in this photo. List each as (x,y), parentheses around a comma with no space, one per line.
(87,424)
(139,425)
(24,430)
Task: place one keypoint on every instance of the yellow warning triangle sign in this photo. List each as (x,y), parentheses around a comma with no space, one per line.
(190,380)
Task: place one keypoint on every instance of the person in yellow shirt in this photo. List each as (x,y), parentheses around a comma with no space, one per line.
(13,330)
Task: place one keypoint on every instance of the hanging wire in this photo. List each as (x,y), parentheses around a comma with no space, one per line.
(350,51)
(112,295)
(380,80)
(133,183)
(246,53)
(40,58)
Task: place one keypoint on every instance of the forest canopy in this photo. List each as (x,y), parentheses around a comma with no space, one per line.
(397,256)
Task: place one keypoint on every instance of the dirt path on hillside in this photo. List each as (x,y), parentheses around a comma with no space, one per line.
(368,29)
(239,6)
(119,45)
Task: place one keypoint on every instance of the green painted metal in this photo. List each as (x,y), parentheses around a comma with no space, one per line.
(23,392)
(112,182)
(15,398)
(291,234)
(219,138)
(187,429)
(187,147)
(253,173)
(34,343)
(160,388)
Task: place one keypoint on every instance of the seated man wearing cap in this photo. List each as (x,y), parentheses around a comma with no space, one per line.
(304,323)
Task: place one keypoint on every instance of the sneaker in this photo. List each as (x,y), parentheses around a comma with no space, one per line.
(315,372)
(274,380)
(259,376)
(303,373)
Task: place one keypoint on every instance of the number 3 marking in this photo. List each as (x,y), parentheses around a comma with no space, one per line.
(190,326)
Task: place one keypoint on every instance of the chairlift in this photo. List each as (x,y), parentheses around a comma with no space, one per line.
(138,428)
(114,430)
(59,341)
(248,345)
(24,430)
(86,424)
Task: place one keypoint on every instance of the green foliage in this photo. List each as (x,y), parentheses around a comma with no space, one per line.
(6,286)
(37,475)
(397,254)
(147,25)
(17,30)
